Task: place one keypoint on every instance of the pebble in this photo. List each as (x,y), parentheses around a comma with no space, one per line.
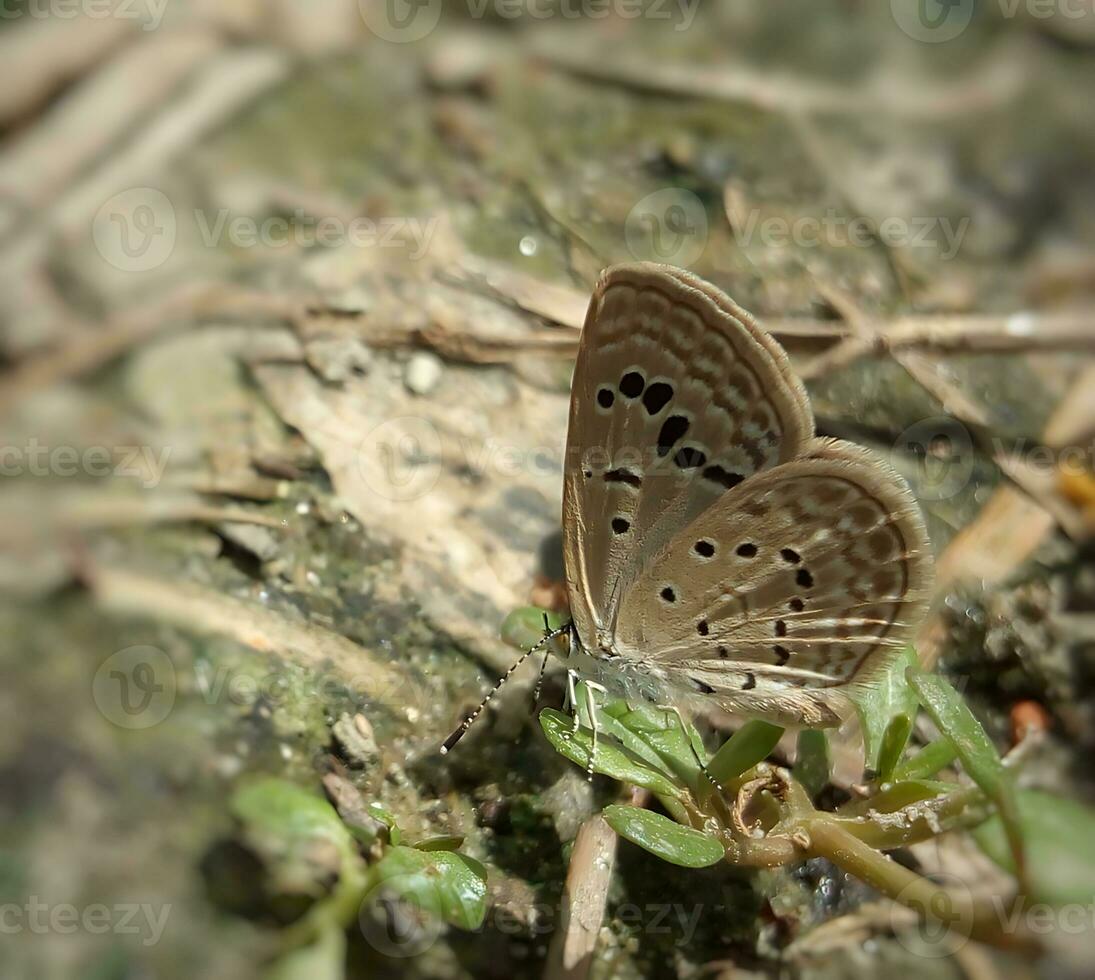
(423,373)
(355,736)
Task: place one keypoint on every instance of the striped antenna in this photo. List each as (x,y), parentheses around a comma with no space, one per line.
(455,737)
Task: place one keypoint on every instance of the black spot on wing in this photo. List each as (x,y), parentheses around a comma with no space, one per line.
(624,476)
(672,431)
(723,477)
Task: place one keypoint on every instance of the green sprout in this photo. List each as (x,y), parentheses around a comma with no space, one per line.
(289,827)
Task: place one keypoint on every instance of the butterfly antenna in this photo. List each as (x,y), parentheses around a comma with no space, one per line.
(543,667)
(470,720)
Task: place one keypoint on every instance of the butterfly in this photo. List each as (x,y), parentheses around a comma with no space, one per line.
(715,547)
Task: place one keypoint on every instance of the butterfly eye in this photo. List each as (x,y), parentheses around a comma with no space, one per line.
(605,397)
(668,594)
(804,578)
(632,384)
(790,556)
(705,549)
(796,604)
(620,525)
(747,550)
(702,628)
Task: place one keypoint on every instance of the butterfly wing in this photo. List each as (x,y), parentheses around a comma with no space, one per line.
(678,396)
(791,587)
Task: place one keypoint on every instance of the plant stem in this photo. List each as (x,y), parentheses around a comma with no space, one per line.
(956,910)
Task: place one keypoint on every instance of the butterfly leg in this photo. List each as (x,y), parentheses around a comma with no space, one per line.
(570,703)
(695,752)
(591,707)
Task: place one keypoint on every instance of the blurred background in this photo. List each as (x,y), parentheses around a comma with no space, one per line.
(290,296)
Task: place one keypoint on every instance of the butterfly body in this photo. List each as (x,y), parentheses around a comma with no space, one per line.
(715,547)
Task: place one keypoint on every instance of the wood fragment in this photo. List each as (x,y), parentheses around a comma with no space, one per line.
(91,349)
(41,55)
(585,894)
(43,160)
(133,593)
(996,80)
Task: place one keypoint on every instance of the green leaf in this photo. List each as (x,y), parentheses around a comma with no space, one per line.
(386,817)
(663,838)
(524,628)
(749,745)
(613,759)
(879,702)
(1060,843)
(678,745)
(325,959)
(447,842)
(979,756)
(812,760)
(928,761)
(281,814)
(896,796)
(446,884)
(894,740)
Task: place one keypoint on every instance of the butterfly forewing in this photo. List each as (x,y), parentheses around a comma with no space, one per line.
(712,542)
(678,397)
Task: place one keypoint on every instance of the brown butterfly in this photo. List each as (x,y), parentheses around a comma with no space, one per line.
(715,547)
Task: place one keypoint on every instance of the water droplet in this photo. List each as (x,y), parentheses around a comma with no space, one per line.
(528,245)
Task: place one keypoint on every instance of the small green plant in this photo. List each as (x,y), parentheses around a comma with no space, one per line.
(766,816)
(296,832)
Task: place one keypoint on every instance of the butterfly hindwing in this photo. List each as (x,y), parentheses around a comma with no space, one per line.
(786,590)
(678,397)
